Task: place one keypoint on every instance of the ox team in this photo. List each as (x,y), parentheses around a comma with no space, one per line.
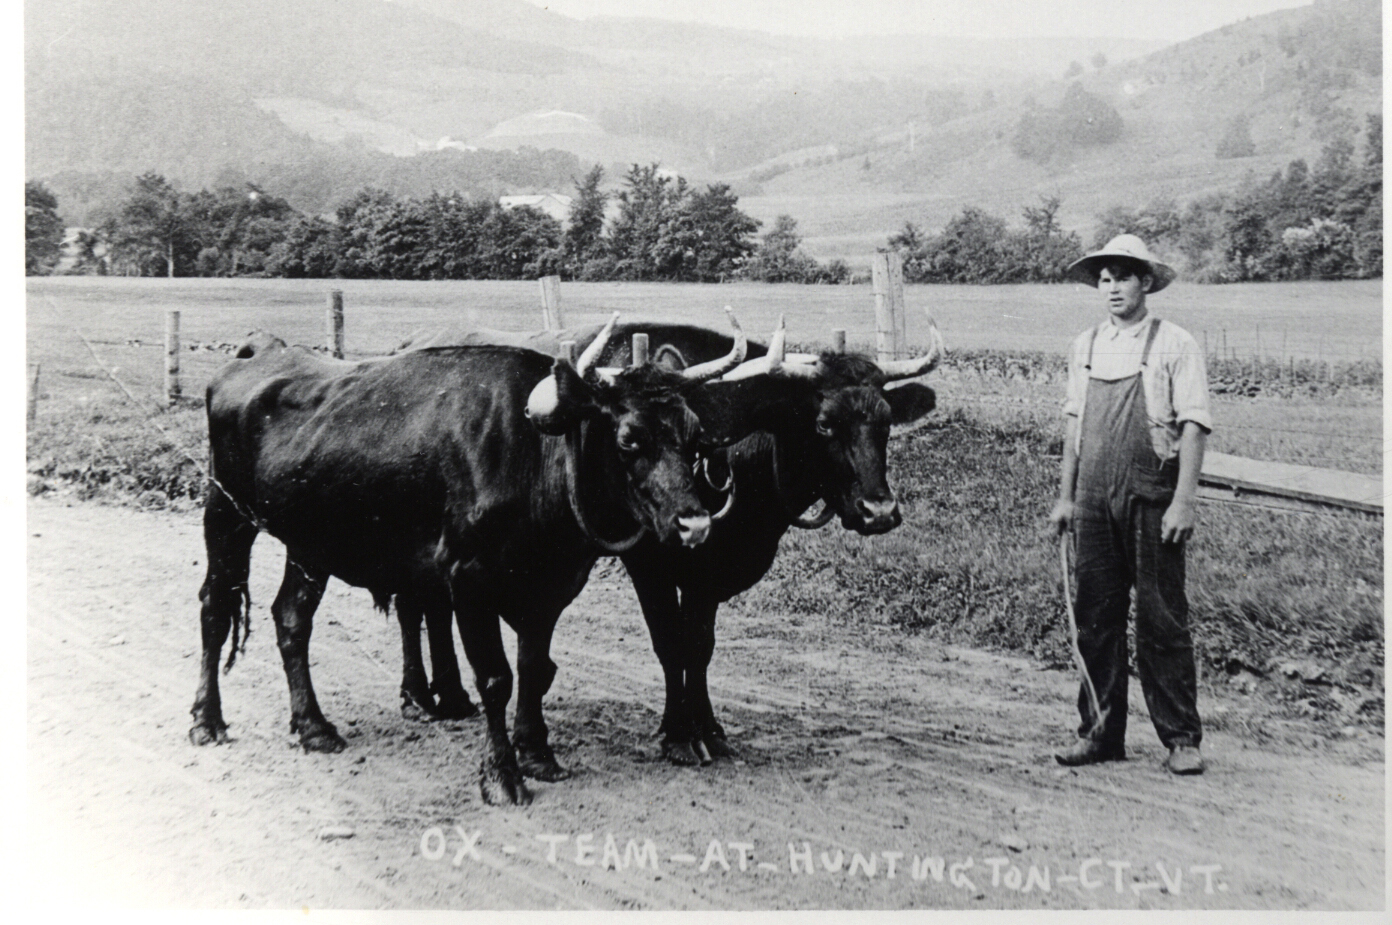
(477,477)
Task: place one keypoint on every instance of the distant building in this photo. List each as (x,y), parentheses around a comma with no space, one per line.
(554,122)
(446,143)
(555,205)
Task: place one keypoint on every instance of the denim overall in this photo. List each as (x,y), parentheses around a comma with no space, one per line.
(1122,493)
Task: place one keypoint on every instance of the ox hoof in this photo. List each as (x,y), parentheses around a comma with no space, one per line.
(211,734)
(681,754)
(501,786)
(542,767)
(717,746)
(451,708)
(324,739)
(414,709)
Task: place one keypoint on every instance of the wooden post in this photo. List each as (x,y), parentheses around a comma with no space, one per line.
(333,323)
(551,303)
(640,349)
(888,274)
(171,359)
(33,392)
(838,340)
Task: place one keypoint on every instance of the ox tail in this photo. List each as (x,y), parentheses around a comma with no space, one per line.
(241,627)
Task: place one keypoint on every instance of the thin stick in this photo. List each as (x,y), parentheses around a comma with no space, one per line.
(1073,638)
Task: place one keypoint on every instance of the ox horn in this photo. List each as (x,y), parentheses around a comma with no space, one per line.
(908,369)
(544,398)
(596,347)
(702,372)
(776,361)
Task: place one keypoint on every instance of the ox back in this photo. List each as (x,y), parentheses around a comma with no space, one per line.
(420,476)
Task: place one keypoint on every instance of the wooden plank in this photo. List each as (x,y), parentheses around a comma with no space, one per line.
(172,389)
(1276,503)
(333,323)
(551,319)
(887,275)
(1285,480)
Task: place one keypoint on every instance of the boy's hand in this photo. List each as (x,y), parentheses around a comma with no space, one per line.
(1062,516)
(1178,523)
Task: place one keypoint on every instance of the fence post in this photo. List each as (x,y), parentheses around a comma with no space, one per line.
(171,359)
(838,340)
(640,348)
(333,323)
(551,303)
(888,275)
(33,392)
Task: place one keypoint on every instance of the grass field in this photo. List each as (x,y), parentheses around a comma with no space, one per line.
(1325,321)
(972,562)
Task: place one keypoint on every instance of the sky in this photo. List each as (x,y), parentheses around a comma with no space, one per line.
(1166,20)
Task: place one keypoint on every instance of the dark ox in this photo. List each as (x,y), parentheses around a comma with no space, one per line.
(822,429)
(420,476)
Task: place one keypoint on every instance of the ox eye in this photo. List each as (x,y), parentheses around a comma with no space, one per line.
(629,443)
(824,428)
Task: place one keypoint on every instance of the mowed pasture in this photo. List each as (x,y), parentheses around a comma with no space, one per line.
(1334,323)
(1341,322)
(973,562)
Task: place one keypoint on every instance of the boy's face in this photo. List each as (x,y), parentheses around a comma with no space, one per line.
(1124,291)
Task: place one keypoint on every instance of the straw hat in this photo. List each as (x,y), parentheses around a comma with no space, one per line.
(1086,269)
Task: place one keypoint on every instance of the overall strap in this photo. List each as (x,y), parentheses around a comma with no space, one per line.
(1150,339)
(1092,339)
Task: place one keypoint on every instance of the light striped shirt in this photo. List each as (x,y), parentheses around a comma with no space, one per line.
(1175,380)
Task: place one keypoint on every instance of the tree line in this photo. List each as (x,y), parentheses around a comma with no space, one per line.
(661,228)
(1322,222)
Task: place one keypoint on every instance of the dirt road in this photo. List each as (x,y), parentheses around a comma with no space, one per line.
(877,771)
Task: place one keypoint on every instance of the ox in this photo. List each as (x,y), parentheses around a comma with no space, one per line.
(822,427)
(421,476)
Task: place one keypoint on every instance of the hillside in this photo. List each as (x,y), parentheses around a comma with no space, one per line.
(313,99)
(1301,78)
(118,87)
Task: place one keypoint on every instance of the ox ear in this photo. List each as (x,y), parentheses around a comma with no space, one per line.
(560,400)
(909,402)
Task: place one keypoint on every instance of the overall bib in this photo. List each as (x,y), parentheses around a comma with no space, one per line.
(1122,493)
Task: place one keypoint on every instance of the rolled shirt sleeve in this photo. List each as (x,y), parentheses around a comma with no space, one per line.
(1077,377)
(1189,381)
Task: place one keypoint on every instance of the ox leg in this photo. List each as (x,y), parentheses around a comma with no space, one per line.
(535,672)
(500,779)
(658,598)
(699,614)
(228,537)
(300,592)
(452,701)
(416,700)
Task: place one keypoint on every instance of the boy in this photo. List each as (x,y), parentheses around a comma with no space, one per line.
(1136,420)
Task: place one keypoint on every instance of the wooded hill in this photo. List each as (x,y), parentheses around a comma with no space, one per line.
(1300,79)
(302,97)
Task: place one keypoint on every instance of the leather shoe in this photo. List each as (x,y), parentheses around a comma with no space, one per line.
(1185,759)
(1087,751)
